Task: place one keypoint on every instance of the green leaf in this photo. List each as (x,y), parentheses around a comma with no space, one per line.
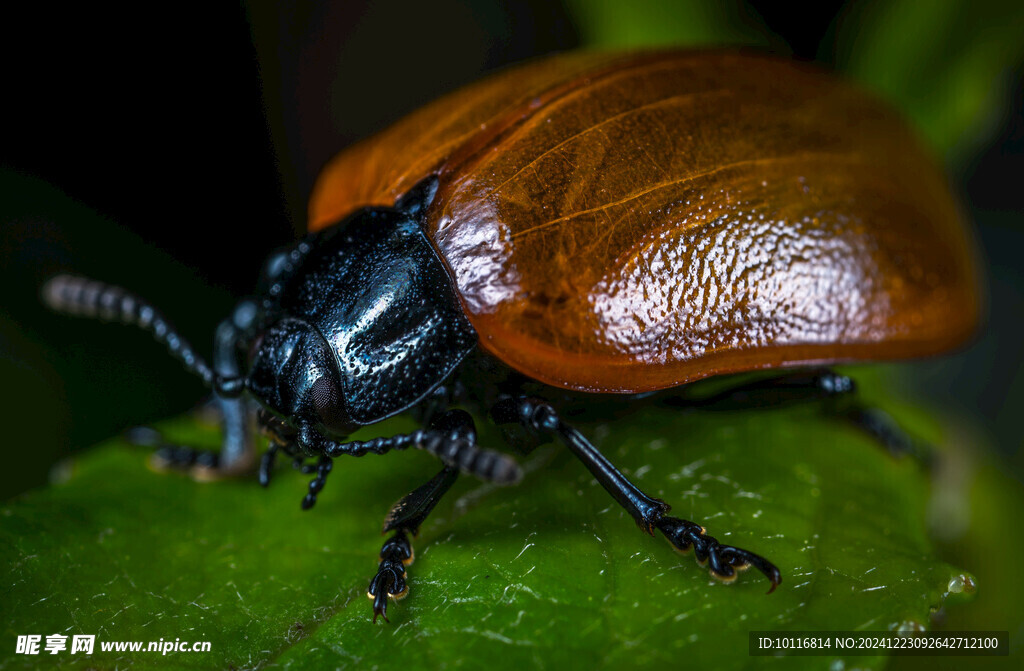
(547,574)
(948,65)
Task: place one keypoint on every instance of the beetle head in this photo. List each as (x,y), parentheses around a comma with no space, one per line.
(293,374)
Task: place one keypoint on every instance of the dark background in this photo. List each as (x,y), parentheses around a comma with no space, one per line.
(168,149)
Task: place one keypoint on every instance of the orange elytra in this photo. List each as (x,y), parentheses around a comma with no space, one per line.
(632,222)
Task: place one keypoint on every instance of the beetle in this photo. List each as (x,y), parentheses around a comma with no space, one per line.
(590,225)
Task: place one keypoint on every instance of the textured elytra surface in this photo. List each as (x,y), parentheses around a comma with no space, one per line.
(633,222)
(550,573)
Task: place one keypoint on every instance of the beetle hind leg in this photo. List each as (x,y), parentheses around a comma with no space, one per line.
(836,392)
(723,561)
(883,430)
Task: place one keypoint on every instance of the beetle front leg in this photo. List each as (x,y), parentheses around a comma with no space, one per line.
(236,456)
(457,449)
(238,453)
(723,561)
(406,517)
(404,520)
(88,298)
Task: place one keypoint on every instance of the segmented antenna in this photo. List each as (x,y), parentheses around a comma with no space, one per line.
(83,297)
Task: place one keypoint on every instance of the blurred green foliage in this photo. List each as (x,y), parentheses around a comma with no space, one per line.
(644,23)
(948,65)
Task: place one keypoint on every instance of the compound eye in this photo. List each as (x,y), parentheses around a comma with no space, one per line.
(330,407)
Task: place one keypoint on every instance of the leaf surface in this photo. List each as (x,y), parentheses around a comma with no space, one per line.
(548,573)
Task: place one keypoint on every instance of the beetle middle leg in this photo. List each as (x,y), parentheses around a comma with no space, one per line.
(724,562)
(838,392)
